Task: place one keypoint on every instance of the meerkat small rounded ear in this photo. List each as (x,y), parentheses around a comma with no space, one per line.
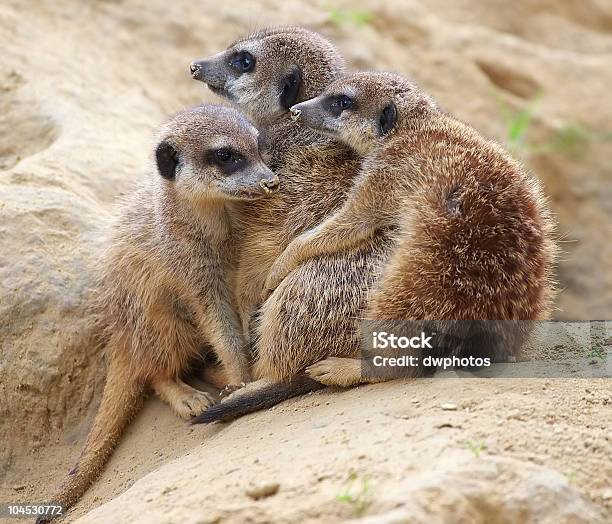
(290,88)
(167,159)
(388,118)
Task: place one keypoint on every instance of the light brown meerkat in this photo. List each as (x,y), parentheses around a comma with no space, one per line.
(313,313)
(475,233)
(166,292)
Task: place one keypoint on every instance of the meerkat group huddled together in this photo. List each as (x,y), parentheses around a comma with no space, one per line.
(267,239)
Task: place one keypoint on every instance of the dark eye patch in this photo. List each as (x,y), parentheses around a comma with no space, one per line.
(243,62)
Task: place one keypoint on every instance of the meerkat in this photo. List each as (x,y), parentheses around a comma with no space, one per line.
(165,290)
(475,233)
(313,313)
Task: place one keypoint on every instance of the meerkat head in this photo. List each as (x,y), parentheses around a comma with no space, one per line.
(268,71)
(362,109)
(211,153)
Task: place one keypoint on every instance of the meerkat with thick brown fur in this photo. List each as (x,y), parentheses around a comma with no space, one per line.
(475,237)
(314,313)
(166,290)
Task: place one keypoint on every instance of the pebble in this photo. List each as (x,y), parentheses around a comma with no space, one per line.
(449,406)
(263,491)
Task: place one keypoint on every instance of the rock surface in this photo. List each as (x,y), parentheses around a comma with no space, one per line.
(478,490)
(84,84)
(373,451)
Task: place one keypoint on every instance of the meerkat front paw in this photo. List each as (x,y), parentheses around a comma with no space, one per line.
(185,401)
(335,371)
(193,403)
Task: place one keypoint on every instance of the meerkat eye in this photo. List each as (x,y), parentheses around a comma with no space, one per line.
(243,62)
(227,160)
(344,102)
(224,155)
(340,103)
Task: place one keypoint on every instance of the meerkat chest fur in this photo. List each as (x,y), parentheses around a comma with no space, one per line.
(185,246)
(201,233)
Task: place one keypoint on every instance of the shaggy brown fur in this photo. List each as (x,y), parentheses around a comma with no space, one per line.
(314,313)
(166,288)
(475,234)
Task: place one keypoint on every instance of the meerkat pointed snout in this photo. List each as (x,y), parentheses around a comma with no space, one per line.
(269,185)
(212,72)
(317,113)
(194,68)
(295,113)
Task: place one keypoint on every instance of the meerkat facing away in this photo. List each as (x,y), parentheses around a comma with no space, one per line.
(166,291)
(475,239)
(313,314)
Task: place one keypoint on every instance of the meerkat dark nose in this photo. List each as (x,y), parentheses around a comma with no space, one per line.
(269,185)
(295,113)
(194,68)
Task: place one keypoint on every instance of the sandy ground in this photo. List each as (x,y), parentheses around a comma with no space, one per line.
(379,434)
(311,445)
(83,86)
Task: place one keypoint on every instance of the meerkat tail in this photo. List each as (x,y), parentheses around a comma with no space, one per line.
(121,399)
(266,397)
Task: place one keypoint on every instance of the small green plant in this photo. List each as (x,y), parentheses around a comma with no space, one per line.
(571,139)
(340,16)
(356,492)
(477,449)
(597,351)
(518,124)
(570,474)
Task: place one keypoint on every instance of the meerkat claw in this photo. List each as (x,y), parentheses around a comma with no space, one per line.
(229,389)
